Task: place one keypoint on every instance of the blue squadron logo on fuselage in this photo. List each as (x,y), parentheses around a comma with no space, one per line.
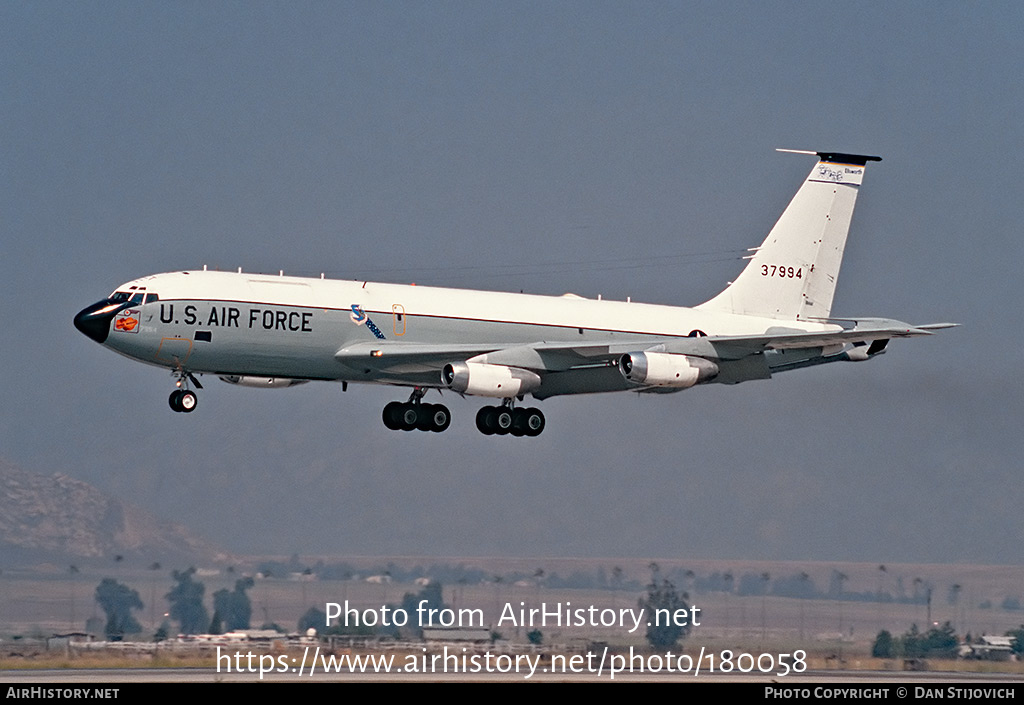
(360,318)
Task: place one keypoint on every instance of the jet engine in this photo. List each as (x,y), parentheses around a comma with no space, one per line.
(666,369)
(488,380)
(263,382)
(861,351)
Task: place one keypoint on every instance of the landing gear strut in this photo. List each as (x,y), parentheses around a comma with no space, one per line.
(414,414)
(499,420)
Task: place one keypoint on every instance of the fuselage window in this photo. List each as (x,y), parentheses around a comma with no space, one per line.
(150,298)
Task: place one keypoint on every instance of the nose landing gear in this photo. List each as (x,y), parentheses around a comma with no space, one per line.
(184,399)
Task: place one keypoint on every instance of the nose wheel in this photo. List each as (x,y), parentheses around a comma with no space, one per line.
(183,400)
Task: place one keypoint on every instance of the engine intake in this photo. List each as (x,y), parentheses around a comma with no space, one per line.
(666,369)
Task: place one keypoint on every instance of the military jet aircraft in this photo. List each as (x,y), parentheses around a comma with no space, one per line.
(277,331)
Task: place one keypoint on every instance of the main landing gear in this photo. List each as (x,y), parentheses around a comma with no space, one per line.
(416,415)
(490,420)
(499,420)
(184,399)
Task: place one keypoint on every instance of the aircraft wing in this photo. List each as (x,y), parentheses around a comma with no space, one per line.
(413,360)
(862,330)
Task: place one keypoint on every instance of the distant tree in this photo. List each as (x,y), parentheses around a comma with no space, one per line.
(216,625)
(234,607)
(836,584)
(186,600)
(433,593)
(941,642)
(162,631)
(799,585)
(884,646)
(912,643)
(318,620)
(663,632)
(313,619)
(937,642)
(535,637)
(118,601)
(953,594)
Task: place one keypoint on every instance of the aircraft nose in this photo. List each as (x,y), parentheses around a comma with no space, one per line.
(94,320)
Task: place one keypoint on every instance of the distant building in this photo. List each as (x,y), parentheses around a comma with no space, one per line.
(990,648)
(63,641)
(456,635)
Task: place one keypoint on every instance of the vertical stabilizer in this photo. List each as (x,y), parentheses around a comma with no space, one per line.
(793,274)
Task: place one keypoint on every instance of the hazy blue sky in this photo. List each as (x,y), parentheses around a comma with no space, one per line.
(623,149)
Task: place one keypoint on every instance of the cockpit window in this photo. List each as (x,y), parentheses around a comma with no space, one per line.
(136,298)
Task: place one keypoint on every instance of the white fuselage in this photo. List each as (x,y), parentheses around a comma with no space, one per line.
(276,326)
